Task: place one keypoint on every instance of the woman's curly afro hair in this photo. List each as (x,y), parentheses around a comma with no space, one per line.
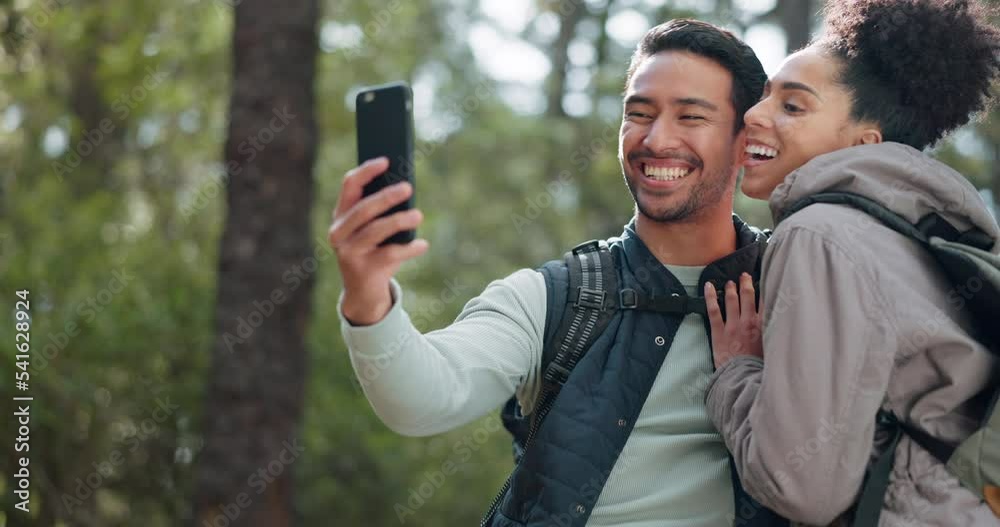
(918,68)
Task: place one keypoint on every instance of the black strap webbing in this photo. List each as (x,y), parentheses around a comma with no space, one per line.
(674,304)
(939,449)
(877,480)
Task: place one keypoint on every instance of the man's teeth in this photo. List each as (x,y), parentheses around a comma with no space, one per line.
(666,173)
(762,150)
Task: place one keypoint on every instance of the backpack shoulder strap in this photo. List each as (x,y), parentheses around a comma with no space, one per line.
(588,307)
(931,225)
(579,294)
(864,204)
(965,257)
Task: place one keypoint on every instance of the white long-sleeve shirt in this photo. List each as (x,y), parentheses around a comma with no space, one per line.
(674,468)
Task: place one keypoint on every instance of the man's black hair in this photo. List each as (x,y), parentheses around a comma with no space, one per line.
(711,42)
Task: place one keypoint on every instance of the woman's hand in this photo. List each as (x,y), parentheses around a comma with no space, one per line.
(741,333)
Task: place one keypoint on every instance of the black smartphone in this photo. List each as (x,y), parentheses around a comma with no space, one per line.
(385,128)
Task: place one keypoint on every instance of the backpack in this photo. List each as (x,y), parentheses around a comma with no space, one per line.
(966,259)
(594,298)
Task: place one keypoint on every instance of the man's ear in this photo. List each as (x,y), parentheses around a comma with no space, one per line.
(739,146)
(868,136)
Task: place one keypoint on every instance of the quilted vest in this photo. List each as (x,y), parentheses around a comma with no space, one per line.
(562,473)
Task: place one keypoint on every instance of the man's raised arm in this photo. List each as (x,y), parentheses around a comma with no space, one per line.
(426,384)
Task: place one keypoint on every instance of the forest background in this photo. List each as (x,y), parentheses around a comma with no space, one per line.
(167,174)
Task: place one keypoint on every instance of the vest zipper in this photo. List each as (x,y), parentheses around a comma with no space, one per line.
(544,405)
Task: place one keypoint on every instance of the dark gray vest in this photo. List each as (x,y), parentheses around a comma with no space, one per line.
(564,470)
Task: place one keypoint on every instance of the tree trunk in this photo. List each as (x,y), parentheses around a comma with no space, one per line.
(602,48)
(97,138)
(796,21)
(570,15)
(254,393)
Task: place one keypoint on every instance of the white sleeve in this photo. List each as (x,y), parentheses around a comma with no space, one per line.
(427,384)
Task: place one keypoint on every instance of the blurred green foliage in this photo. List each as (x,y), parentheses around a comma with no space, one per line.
(141,213)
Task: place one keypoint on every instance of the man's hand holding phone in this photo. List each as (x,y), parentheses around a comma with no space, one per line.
(357,231)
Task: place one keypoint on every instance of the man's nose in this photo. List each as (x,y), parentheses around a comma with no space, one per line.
(663,136)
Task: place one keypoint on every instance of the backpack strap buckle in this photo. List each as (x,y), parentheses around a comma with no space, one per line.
(591,246)
(589,298)
(628,299)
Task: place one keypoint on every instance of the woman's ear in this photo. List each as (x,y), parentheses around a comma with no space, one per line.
(868,136)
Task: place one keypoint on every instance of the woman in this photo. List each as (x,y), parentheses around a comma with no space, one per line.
(857,318)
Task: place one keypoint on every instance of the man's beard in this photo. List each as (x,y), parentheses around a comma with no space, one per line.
(710,188)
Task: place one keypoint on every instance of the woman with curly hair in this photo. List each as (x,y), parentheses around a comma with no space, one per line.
(857,318)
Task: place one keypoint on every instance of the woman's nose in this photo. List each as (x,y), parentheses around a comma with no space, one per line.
(758,116)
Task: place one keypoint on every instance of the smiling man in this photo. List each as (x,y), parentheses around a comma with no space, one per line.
(680,146)
(627,442)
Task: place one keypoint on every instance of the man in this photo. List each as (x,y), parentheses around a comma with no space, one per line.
(628,441)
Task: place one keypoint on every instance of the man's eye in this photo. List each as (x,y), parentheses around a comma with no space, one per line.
(692,117)
(638,116)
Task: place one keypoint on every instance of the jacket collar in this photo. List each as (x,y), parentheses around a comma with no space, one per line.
(654,276)
(750,245)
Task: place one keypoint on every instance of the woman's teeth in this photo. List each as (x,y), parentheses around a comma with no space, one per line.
(761,152)
(666,173)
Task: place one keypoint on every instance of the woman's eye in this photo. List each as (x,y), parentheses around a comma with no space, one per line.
(791,108)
